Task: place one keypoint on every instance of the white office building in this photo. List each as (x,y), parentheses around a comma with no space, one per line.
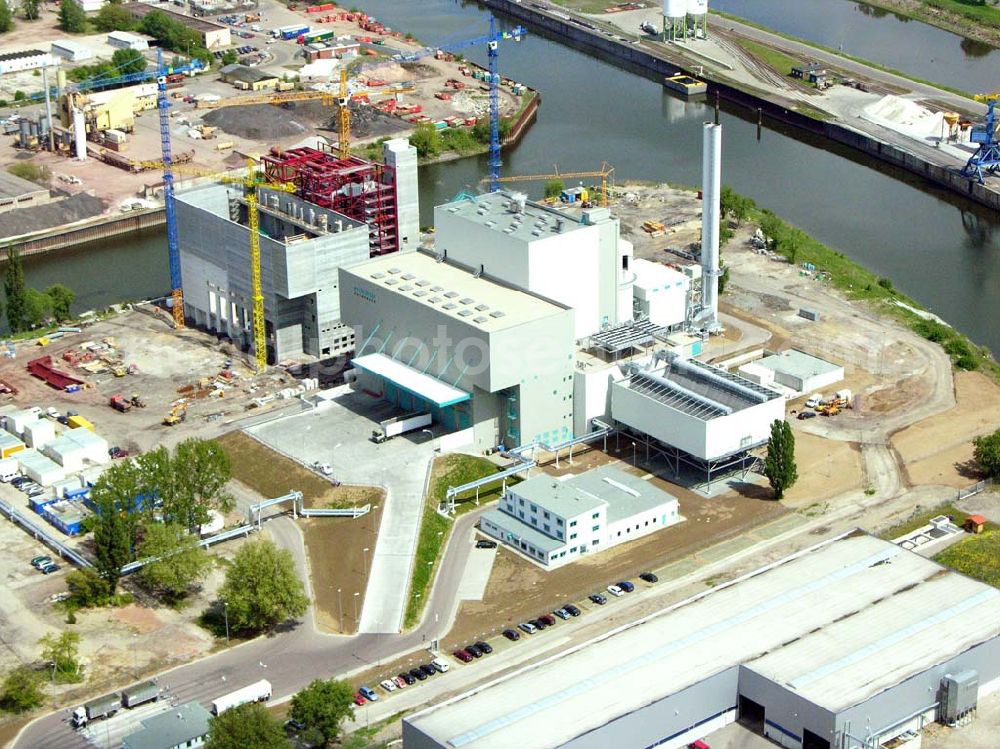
(554,521)
(26,59)
(661,293)
(127,40)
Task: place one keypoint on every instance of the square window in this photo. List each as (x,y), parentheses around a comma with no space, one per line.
(520,501)
(572,536)
(596,528)
(520,514)
(546,528)
(559,521)
(546,514)
(534,509)
(572,524)
(595,515)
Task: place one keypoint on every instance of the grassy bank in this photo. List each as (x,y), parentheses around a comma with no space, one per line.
(922,518)
(957,16)
(838,53)
(770,56)
(858,283)
(448,470)
(975,556)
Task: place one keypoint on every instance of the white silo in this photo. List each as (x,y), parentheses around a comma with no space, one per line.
(697,13)
(674,20)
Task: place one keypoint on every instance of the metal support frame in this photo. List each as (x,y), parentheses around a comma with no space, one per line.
(173,243)
(986,160)
(495,161)
(256,285)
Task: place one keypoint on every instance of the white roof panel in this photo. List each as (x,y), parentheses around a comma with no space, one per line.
(413,381)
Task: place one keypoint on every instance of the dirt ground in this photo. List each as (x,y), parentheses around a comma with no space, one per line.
(518,589)
(826,468)
(939,450)
(335,550)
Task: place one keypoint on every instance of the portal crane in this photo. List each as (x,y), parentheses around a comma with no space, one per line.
(606,173)
(986,160)
(492,42)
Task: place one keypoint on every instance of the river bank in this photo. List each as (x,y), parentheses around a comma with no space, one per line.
(981,23)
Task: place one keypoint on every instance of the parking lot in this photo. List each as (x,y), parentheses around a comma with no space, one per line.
(338,434)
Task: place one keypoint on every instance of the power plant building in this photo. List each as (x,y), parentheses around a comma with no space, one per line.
(484,358)
(846,645)
(579,261)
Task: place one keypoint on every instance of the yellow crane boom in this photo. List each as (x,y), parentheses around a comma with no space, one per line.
(606,173)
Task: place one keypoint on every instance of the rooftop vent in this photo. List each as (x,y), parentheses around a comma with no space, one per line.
(419,292)
(392,282)
(467,300)
(437,288)
(434,300)
(395,270)
(496,313)
(481,319)
(451,294)
(408,276)
(536,232)
(464,312)
(482,307)
(490,224)
(405,287)
(423,282)
(378,275)
(450,305)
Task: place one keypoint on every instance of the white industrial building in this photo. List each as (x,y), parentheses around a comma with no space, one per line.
(90,6)
(845,645)
(39,433)
(40,468)
(27,59)
(660,293)
(482,357)
(15,421)
(580,262)
(554,521)
(127,40)
(71,51)
(77,448)
(793,370)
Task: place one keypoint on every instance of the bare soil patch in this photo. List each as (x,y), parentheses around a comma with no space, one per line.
(827,468)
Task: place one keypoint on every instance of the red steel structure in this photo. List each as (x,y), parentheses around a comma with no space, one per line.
(360,189)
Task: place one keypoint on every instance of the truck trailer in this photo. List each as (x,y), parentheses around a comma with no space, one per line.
(257,692)
(139,694)
(398,425)
(102,707)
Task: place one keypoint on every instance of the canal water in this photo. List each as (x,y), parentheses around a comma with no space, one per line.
(880,36)
(941,251)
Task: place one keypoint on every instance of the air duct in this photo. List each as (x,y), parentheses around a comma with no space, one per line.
(686,392)
(689,368)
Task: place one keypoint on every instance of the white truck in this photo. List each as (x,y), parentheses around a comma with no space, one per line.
(257,692)
(102,707)
(398,425)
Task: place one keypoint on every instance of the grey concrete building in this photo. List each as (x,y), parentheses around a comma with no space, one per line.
(20,193)
(181,727)
(301,247)
(846,645)
(487,360)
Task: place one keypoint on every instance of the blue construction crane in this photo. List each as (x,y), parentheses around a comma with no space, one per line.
(986,160)
(108,80)
(492,42)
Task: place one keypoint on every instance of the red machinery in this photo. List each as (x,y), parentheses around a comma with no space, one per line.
(360,189)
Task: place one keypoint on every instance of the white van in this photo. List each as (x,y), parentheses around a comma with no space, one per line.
(814,400)
(8,469)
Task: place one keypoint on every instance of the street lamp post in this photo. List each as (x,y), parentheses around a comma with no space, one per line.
(372,513)
(366,561)
(225,610)
(135,658)
(356,622)
(340,608)
(633,455)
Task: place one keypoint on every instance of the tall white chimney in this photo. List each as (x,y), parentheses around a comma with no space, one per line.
(711,186)
(80,134)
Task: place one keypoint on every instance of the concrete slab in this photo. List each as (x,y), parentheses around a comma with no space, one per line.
(338,434)
(477,574)
(785,524)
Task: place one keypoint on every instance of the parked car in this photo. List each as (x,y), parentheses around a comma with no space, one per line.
(325,468)
(48,568)
(417,674)
(388,685)
(548,620)
(484,647)
(407,678)
(485,543)
(440,666)
(626,586)
(572,610)
(35,491)
(18,480)
(368,693)
(359,699)
(538,624)
(649,577)
(37,562)
(562,614)
(512,635)
(462,655)
(428,669)
(294,726)
(527,628)
(615,591)
(699,744)
(473,651)
(803,415)
(400,682)
(598,599)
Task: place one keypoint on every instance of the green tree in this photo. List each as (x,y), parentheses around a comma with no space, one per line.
(723,277)
(87,588)
(229,57)
(37,307)
(201,471)
(31,9)
(986,452)
(62,653)
(61,299)
(249,725)
(262,588)
(112,17)
(116,519)
(15,291)
(323,706)
(427,140)
(554,187)
(6,18)
(779,465)
(22,689)
(72,19)
(128,61)
(180,561)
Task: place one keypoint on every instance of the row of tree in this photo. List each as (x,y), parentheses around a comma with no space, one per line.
(22,689)
(28,308)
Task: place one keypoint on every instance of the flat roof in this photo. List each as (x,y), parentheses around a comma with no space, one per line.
(535,222)
(34,460)
(72,45)
(173,728)
(623,494)
(15,187)
(652,276)
(837,623)
(20,54)
(412,380)
(798,364)
(480,302)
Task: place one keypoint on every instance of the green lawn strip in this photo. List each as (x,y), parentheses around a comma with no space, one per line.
(981,14)
(922,518)
(976,556)
(449,470)
(841,53)
(767,54)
